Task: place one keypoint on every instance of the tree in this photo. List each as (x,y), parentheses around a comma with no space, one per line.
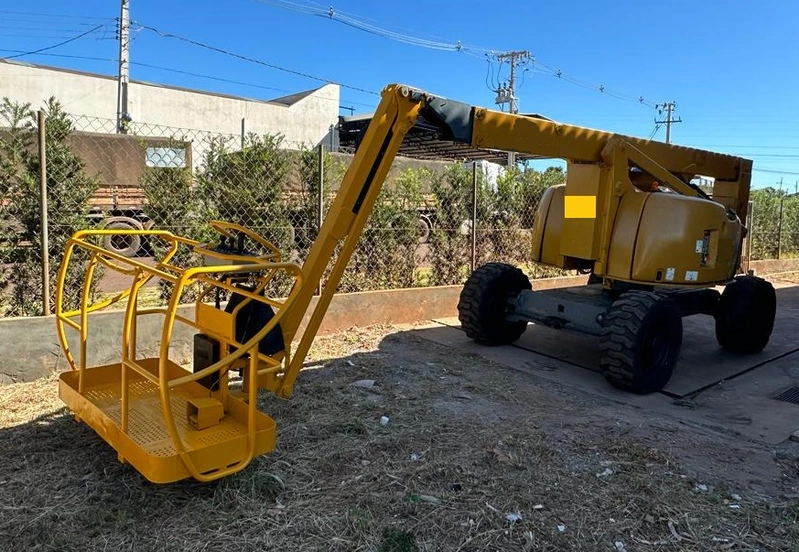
(449,240)
(68,191)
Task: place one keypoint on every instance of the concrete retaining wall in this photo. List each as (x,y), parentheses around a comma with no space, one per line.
(774,266)
(29,347)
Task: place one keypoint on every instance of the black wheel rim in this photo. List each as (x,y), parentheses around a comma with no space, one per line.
(121,242)
(659,348)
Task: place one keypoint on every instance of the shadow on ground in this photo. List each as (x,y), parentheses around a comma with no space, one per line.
(475,456)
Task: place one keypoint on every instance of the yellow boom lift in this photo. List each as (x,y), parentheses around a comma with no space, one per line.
(655,245)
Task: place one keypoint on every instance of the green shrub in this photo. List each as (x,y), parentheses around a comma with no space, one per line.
(386,256)
(68,189)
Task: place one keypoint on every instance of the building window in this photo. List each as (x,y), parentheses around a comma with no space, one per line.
(170,158)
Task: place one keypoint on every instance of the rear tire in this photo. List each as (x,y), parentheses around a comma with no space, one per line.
(745,315)
(641,342)
(127,246)
(425,228)
(483,304)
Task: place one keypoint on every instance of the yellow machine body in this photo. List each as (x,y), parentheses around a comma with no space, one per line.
(658,238)
(170,423)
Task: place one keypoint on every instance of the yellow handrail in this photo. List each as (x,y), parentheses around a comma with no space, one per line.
(263,268)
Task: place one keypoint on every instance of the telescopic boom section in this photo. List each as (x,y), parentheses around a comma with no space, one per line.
(483,128)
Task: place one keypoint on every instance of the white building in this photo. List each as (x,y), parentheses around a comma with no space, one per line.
(302,118)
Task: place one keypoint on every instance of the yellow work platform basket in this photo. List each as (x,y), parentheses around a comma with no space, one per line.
(173,421)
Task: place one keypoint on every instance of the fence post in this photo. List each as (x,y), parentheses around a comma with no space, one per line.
(45,250)
(779,229)
(320,200)
(474,216)
(750,215)
(243,132)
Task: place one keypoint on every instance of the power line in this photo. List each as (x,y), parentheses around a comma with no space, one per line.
(53,15)
(774,171)
(318,10)
(46,48)
(654,131)
(784,155)
(545,69)
(88,58)
(48,37)
(70,29)
(753,146)
(209,77)
(252,60)
(360,24)
(230,81)
(189,73)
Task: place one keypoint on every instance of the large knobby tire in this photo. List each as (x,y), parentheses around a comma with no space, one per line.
(745,315)
(483,304)
(641,341)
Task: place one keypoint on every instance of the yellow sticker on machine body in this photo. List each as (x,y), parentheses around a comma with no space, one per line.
(580,207)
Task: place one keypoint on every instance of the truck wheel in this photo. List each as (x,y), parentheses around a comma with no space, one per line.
(425,227)
(745,315)
(641,341)
(483,304)
(127,246)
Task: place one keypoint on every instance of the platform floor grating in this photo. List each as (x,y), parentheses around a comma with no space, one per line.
(145,418)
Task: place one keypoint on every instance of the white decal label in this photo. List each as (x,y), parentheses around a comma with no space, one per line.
(691,275)
(700,245)
(669,274)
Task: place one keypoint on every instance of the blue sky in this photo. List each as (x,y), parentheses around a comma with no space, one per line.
(732,66)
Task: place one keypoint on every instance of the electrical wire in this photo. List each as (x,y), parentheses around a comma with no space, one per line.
(350,20)
(62,29)
(774,171)
(377,30)
(359,23)
(54,46)
(52,15)
(654,131)
(231,81)
(189,73)
(88,58)
(252,60)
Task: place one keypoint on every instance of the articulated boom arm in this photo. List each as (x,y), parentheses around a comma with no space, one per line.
(171,423)
(397,113)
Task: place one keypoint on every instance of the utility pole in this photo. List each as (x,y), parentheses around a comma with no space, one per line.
(507,94)
(123,117)
(669,107)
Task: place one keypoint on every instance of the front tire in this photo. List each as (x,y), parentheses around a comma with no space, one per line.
(641,342)
(483,304)
(745,315)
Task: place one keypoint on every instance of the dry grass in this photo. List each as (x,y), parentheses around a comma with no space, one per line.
(468,443)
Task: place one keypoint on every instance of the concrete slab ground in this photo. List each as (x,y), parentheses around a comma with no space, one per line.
(710,387)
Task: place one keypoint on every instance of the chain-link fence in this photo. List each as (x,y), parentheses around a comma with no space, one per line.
(434,221)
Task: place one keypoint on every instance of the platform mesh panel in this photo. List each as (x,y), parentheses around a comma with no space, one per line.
(145,418)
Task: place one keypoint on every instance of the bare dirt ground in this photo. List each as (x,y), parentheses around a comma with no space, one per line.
(475,456)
